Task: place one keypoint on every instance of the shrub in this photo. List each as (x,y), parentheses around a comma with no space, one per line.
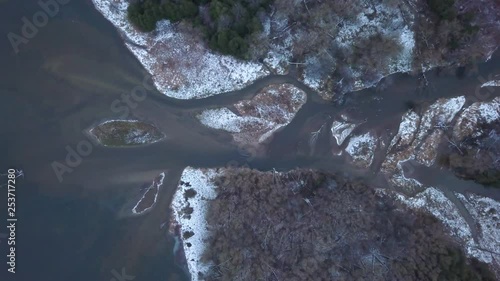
(443,8)
(189,193)
(228,29)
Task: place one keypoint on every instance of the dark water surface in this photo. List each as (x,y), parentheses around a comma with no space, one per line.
(65,80)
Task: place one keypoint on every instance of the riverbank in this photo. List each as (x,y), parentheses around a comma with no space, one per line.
(217,210)
(420,131)
(181,65)
(422,136)
(254,121)
(350,49)
(189,207)
(454,133)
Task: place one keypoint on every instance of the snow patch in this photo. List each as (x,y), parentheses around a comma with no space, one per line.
(201,181)
(478,113)
(271,109)
(341,130)
(279,54)
(418,137)
(361,148)
(399,178)
(407,130)
(222,119)
(312,75)
(181,65)
(441,112)
(486,213)
(435,202)
(492,83)
(387,21)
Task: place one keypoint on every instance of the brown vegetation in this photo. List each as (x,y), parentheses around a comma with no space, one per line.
(456,31)
(125,132)
(306,225)
(476,158)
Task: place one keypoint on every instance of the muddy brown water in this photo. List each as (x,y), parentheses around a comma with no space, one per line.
(65,79)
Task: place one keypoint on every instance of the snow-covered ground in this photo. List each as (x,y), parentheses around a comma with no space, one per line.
(435,202)
(257,119)
(181,65)
(385,20)
(280,49)
(418,136)
(486,213)
(362,148)
(406,131)
(492,83)
(137,133)
(200,180)
(468,123)
(341,130)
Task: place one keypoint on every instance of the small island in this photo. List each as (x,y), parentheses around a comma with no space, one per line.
(148,200)
(126,133)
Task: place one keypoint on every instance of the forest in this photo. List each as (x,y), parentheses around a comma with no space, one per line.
(309,225)
(448,29)
(226,24)
(476,158)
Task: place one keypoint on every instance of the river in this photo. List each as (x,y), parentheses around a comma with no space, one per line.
(66,78)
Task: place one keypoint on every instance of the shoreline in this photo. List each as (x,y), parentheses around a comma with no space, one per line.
(192,225)
(144,141)
(194,73)
(478,243)
(154,185)
(185,60)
